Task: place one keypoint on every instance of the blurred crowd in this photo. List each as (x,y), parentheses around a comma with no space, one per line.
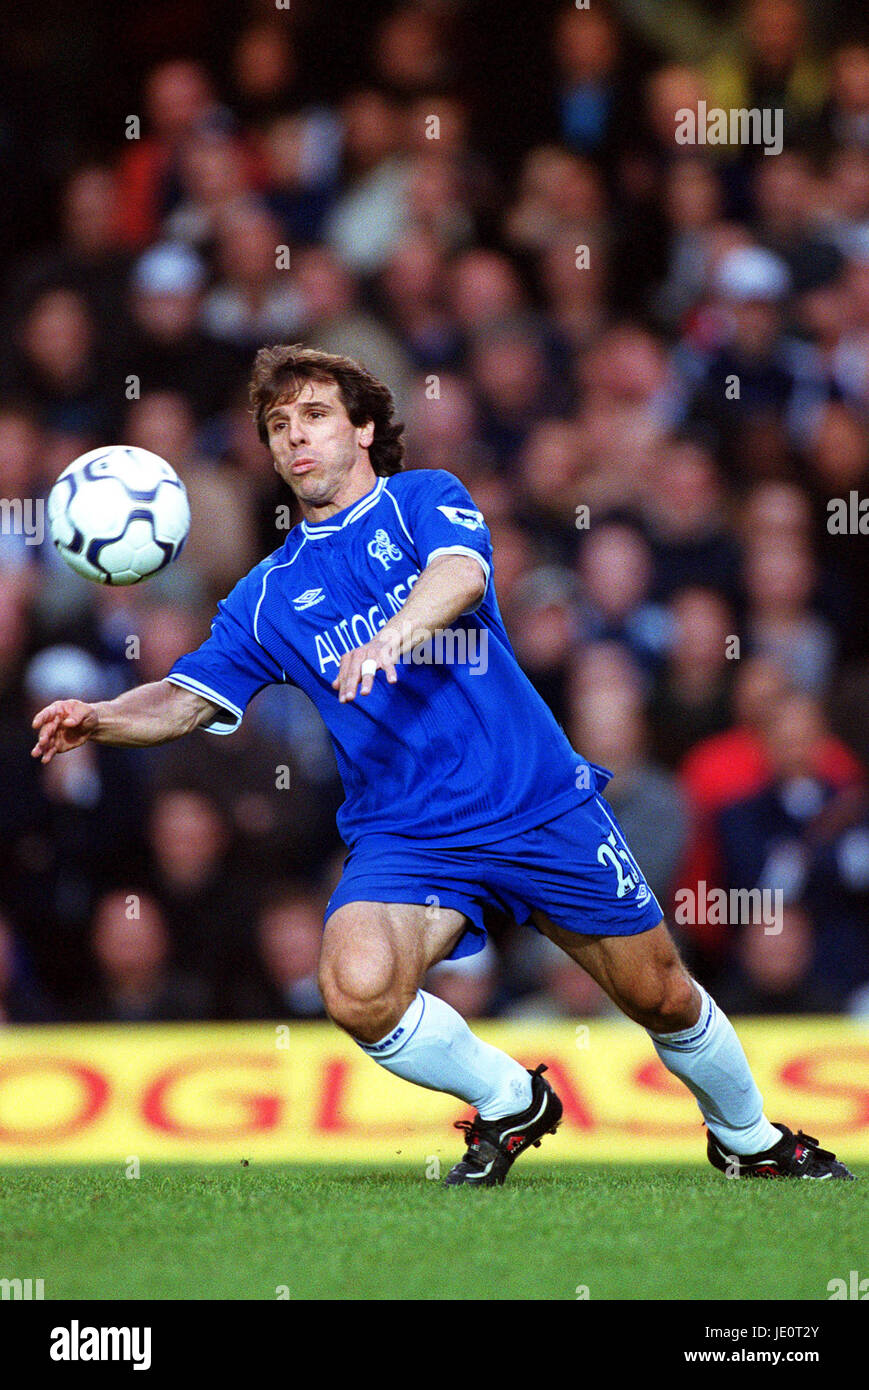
(649,363)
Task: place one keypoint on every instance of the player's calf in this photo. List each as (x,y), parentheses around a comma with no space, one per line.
(643,973)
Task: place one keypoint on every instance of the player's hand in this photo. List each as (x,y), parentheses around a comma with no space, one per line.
(381,651)
(63,725)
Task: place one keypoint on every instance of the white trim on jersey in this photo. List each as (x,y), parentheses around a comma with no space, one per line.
(198,688)
(286,564)
(394,502)
(364,505)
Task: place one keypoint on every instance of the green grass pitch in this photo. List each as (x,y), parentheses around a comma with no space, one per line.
(259,1232)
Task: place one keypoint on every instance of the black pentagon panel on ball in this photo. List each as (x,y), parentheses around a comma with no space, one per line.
(99,543)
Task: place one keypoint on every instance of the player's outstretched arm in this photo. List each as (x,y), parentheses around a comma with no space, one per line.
(154,713)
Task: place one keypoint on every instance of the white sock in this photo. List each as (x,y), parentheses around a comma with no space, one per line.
(433,1046)
(709,1058)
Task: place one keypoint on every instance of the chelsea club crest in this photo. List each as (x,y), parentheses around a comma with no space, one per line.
(381,548)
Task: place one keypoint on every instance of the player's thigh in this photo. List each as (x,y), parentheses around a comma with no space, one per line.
(374,948)
(642,973)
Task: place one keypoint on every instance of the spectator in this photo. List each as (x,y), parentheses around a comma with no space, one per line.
(264,71)
(136,982)
(72,825)
(772,970)
(773,65)
(57,361)
(178,98)
(443,430)
(685,511)
(610,729)
(205,899)
(730,766)
(692,205)
(754,375)
(255,300)
(215,183)
(543,629)
(560,197)
(553,483)
(691,699)
(587,50)
(509,370)
(288,933)
(805,838)
(170,351)
(302,156)
(277,799)
(413,284)
(335,322)
(615,570)
(370,216)
(779,583)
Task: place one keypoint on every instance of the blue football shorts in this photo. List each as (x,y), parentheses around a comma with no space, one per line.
(576,868)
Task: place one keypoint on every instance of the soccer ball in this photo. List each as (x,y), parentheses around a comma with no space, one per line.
(118,515)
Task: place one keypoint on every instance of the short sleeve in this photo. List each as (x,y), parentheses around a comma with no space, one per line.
(440,518)
(230,667)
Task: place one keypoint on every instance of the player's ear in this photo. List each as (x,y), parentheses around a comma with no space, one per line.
(366,434)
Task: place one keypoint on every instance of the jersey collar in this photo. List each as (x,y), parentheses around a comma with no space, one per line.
(335,523)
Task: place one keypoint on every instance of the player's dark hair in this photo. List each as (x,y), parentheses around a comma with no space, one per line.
(282,370)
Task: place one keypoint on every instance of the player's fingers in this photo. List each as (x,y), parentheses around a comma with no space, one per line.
(391,673)
(45,739)
(337,683)
(47,732)
(354,675)
(345,677)
(44,715)
(45,752)
(368,671)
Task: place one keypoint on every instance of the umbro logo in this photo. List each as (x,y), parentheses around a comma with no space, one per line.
(382,548)
(308,599)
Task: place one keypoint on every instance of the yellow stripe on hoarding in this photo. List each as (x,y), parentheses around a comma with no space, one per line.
(304,1091)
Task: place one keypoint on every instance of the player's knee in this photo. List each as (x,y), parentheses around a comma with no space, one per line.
(362,995)
(672,1002)
(661,997)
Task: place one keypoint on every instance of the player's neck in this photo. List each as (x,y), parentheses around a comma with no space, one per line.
(358,482)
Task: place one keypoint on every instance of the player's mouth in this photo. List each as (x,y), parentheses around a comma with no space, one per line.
(302,465)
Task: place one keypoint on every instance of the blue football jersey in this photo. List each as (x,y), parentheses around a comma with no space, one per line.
(461,749)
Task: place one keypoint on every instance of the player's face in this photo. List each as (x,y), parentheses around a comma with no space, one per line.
(317,449)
